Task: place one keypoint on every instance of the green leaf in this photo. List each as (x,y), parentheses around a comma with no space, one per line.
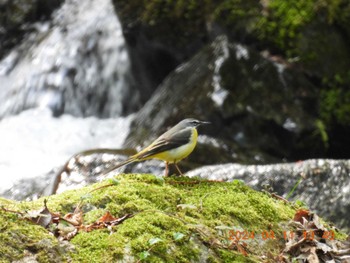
(238,182)
(153,241)
(144,255)
(161,179)
(178,236)
(300,203)
(113,181)
(294,187)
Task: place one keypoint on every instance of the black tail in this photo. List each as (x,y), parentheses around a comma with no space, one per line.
(110,169)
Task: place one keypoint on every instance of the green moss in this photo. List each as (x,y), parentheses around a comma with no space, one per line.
(20,238)
(99,245)
(283,21)
(278,22)
(202,212)
(176,22)
(335,106)
(234,257)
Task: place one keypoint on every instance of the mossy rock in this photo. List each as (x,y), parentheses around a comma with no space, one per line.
(312,35)
(187,219)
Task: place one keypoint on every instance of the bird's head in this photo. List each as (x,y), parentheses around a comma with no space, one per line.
(192,123)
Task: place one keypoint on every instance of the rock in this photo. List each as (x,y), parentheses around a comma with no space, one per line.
(320,58)
(174,220)
(159,40)
(30,188)
(259,109)
(309,38)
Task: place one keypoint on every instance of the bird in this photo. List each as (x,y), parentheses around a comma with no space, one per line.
(171,147)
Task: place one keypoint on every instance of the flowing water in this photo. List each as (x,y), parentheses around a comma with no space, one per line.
(77,63)
(75,67)
(34,142)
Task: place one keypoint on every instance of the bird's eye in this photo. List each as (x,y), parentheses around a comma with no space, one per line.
(195,122)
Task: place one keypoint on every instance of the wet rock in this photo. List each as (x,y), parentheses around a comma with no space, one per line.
(87,168)
(31,188)
(314,44)
(159,38)
(320,57)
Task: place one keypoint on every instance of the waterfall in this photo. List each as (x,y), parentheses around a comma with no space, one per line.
(63,90)
(76,63)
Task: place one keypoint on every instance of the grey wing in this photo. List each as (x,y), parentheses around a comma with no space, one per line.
(164,143)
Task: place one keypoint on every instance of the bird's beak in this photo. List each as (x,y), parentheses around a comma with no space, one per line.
(204,122)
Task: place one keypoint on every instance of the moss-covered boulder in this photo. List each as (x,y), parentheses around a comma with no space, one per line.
(174,220)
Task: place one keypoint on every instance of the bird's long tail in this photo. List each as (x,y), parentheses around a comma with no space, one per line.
(110,169)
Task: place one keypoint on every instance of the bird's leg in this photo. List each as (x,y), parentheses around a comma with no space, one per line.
(178,169)
(166,169)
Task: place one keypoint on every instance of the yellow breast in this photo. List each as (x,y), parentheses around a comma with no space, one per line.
(176,155)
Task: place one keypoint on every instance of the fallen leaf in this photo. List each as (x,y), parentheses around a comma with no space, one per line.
(75,218)
(42,217)
(106,221)
(301,215)
(107,217)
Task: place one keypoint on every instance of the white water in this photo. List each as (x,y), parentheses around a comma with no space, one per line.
(33,142)
(76,62)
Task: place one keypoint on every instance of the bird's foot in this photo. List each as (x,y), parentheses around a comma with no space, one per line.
(178,169)
(166,174)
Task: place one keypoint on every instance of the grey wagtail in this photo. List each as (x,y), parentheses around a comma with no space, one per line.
(171,147)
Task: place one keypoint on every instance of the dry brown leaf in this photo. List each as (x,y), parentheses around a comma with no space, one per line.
(309,254)
(75,218)
(301,215)
(107,217)
(41,217)
(106,221)
(313,242)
